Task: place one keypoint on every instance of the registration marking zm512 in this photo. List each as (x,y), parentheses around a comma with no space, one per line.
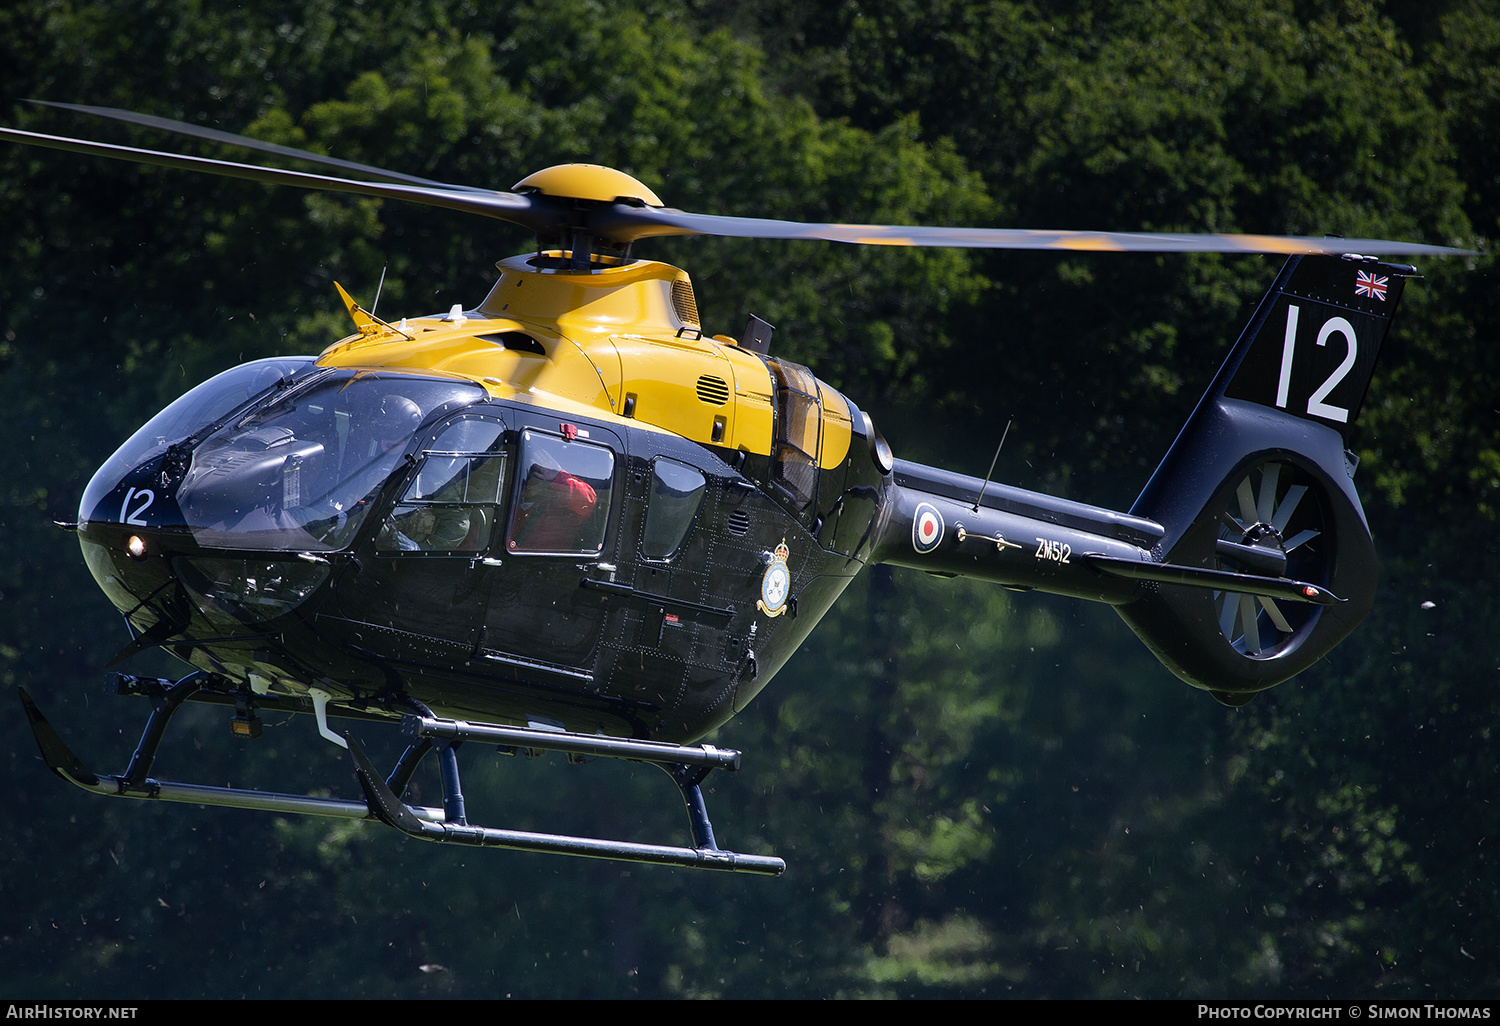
(1057,552)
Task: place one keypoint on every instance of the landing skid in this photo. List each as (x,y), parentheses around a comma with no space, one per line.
(687,765)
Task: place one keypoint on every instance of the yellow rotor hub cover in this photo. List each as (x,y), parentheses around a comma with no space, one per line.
(587,182)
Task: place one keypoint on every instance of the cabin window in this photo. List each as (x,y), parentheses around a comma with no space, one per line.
(798,435)
(676,493)
(562,507)
(450,505)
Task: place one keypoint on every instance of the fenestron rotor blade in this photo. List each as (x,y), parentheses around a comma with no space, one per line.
(1229,523)
(1228,613)
(1274,612)
(631,223)
(536,213)
(1300,538)
(1247,501)
(230,139)
(1288,507)
(1269,475)
(1249,623)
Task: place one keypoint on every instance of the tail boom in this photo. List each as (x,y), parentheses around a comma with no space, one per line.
(951,525)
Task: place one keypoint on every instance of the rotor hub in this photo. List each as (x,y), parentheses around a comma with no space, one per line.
(588,182)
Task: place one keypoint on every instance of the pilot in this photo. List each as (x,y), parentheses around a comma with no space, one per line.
(426,528)
(555,507)
(396,419)
(382,427)
(443,522)
(371,454)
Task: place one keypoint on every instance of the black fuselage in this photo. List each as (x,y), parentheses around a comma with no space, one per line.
(652,623)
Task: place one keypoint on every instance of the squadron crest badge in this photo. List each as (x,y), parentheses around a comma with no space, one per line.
(776,583)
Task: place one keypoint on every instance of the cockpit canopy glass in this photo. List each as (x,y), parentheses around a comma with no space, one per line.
(194,411)
(276,455)
(301,471)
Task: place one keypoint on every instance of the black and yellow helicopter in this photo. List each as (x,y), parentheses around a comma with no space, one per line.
(568,518)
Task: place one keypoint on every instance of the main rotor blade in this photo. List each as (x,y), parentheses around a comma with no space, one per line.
(623,223)
(231,139)
(645,222)
(534,212)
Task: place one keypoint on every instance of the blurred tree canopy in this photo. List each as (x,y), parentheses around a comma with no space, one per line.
(977,793)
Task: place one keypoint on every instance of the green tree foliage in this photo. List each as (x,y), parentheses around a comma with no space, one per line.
(1173,116)
(977,793)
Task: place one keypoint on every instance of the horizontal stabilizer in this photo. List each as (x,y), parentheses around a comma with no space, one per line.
(1217,580)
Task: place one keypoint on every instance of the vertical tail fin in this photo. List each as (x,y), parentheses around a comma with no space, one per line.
(1259,481)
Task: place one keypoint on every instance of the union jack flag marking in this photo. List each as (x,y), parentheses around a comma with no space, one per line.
(1366,283)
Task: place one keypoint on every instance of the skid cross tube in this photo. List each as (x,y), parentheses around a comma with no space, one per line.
(389,809)
(658,752)
(687,766)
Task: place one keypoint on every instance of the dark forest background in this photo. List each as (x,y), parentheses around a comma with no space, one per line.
(977,793)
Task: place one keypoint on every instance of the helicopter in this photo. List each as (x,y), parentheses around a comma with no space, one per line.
(569,519)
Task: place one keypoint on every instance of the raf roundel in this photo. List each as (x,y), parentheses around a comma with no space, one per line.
(926,528)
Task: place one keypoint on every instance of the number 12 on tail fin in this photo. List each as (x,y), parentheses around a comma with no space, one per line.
(1315,350)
